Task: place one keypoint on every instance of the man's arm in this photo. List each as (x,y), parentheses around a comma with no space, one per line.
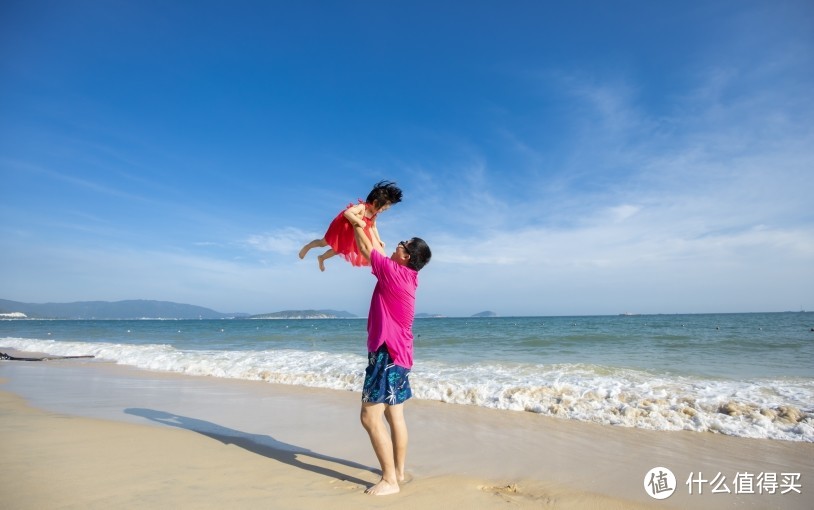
(366,246)
(375,234)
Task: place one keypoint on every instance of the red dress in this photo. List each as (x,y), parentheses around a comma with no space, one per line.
(340,237)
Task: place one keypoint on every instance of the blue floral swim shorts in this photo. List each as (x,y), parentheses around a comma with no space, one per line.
(385,382)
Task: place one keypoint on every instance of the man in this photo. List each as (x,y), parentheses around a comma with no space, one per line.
(390,352)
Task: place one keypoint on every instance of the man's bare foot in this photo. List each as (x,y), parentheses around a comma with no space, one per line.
(321,263)
(304,251)
(405,478)
(383,489)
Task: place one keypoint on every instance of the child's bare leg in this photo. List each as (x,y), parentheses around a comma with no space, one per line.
(316,243)
(325,256)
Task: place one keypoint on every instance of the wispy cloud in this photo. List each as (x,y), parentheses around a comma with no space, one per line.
(714,178)
(98,186)
(284,241)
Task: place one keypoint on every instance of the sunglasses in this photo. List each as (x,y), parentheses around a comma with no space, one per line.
(403,244)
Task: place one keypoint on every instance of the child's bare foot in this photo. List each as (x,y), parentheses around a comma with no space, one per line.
(321,263)
(304,251)
(383,489)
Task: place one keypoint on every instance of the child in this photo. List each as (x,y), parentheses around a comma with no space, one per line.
(339,235)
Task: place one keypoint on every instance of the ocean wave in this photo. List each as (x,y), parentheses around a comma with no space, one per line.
(766,408)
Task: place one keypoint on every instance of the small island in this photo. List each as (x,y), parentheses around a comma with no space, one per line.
(487,313)
(305,314)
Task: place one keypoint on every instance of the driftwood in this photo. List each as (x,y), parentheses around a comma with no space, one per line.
(4,356)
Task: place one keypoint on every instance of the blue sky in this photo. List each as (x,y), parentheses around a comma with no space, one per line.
(560,158)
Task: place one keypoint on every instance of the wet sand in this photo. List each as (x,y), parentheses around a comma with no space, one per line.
(89,434)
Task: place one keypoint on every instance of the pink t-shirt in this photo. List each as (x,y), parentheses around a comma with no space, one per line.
(392,309)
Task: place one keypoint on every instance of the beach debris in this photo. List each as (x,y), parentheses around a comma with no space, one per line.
(502,489)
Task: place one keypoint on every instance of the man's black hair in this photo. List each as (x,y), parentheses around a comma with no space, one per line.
(420,253)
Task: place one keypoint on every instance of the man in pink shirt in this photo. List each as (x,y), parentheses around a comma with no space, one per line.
(390,352)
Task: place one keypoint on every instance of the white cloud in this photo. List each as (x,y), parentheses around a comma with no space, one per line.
(622,212)
(284,241)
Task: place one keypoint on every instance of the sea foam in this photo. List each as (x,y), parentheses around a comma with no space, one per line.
(764,408)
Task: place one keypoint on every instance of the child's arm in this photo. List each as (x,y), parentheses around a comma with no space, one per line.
(356,215)
(376,233)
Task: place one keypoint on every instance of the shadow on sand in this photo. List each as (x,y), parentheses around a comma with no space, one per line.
(263,445)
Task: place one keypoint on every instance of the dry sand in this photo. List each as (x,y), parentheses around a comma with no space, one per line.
(94,435)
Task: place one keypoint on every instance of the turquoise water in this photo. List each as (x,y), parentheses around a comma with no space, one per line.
(740,374)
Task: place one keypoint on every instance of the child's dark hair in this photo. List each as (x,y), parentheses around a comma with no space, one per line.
(384,192)
(420,253)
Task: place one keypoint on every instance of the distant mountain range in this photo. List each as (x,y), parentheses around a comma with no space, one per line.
(149,309)
(144,309)
(130,309)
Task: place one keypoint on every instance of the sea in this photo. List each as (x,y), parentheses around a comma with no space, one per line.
(746,375)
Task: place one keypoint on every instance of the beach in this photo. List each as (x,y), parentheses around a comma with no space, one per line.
(89,434)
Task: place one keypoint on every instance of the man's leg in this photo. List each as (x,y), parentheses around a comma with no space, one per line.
(373,423)
(398,435)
